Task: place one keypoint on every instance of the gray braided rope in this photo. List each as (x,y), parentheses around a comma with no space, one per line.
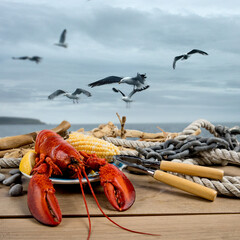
(229,186)
(194,126)
(223,155)
(9,162)
(129,143)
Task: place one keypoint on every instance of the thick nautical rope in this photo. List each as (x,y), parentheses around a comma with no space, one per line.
(129,143)
(10,162)
(194,126)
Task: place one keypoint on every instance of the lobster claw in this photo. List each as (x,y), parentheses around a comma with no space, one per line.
(42,202)
(117,187)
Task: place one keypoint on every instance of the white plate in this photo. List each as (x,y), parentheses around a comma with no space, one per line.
(92,177)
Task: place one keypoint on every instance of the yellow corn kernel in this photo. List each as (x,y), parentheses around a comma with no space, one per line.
(90,144)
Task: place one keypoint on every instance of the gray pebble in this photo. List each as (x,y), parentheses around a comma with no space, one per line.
(13,179)
(2,177)
(16,190)
(14,171)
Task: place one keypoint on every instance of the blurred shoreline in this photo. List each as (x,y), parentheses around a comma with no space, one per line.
(18,129)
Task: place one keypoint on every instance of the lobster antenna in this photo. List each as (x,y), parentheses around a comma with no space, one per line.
(85,202)
(105,215)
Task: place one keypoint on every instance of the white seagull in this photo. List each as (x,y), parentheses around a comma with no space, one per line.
(72,96)
(62,39)
(128,98)
(35,59)
(138,82)
(187,55)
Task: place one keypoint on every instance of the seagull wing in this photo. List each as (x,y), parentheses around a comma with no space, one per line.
(107,80)
(63,36)
(175,60)
(197,51)
(141,77)
(36,59)
(137,90)
(21,58)
(132,92)
(80,90)
(117,90)
(56,93)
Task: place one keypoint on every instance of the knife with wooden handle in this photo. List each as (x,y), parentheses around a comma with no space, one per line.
(135,163)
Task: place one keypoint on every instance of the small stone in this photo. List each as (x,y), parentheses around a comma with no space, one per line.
(16,190)
(13,179)
(14,171)
(2,177)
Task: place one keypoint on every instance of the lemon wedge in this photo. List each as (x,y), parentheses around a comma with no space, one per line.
(27,162)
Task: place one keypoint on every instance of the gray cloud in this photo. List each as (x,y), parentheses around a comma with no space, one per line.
(120,39)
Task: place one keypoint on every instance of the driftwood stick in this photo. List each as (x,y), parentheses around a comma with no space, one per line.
(17,141)
(28,146)
(139,134)
(110,130)
(3,152)
(16,152)
(25,139)
(62,128)
(122,122)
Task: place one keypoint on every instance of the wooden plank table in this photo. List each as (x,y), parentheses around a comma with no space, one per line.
(158,209)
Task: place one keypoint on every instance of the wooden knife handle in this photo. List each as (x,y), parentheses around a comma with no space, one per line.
(185,185)
(192,170)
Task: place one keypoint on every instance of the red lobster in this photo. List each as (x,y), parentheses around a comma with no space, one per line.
(57,157)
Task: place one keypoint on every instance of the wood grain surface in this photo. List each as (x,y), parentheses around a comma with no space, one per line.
(158,208)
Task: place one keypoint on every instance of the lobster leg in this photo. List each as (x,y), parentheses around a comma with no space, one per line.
(42,202)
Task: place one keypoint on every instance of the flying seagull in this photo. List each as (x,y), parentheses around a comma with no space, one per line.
(62,39)
(138,82)
(72,96)
(187,55)
(36,59)
(128,98)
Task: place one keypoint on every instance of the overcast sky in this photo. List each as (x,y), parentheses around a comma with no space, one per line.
(121,38)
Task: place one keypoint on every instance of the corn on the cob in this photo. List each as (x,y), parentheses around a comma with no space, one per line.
(90,144)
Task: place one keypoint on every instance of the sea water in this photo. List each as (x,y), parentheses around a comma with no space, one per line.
(17,129)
